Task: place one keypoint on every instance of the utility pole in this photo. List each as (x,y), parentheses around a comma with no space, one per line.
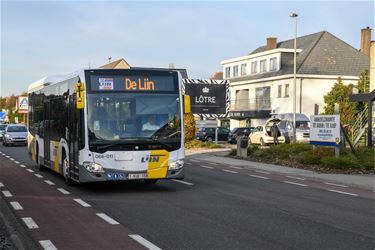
(294,15)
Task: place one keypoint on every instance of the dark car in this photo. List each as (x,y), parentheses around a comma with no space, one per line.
(208,134)
(236,132)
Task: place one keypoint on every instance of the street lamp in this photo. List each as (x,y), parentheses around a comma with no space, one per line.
(294,15)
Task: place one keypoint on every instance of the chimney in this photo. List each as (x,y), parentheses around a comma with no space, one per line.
(271,43)
(365,41)
(372,66)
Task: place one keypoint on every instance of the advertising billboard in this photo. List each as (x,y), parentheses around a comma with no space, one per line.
(325,130)
(23,104)
(207,98)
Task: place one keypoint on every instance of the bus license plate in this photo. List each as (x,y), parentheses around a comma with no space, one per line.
(137,176)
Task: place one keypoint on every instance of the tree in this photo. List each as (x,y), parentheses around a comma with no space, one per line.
(217,76)
(363,85)
(189,123)
(340,94)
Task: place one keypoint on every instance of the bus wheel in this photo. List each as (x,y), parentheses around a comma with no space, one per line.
(66,171)
(151,181)
(39,165)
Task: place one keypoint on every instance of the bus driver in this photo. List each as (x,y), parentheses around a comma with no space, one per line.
(151,124)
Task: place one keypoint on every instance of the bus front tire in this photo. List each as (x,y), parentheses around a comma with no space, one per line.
(38,164)
(66,171)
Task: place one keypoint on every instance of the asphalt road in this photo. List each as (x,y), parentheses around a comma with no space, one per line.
(217,207)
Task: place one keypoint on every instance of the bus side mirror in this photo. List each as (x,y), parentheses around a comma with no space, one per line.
(80,100)
(187,108)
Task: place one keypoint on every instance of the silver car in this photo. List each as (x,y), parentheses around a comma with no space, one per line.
(15,134)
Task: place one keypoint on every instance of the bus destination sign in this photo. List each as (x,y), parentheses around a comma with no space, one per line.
(132,83)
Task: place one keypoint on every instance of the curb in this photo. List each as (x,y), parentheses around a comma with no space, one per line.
(17,233)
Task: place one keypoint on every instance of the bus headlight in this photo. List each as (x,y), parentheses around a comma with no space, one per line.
(176,165)
(93,167)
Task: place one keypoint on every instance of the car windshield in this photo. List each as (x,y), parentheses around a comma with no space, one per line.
(16,129)
(302,124)
(136,116)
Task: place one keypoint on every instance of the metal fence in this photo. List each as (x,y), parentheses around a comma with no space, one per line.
(250,104)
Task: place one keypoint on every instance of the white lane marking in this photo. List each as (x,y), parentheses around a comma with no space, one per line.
(30,223)
(7,156)
(258,176)
(16,205)
(82,203)
(230,171)
(194,160)
(107,219)
(235,167)
(334,184)
(297,178)
(214,163)
(294,183)
(261,172)
(22,166)
(184,182)
(63,191)
(188,163)
(203,166)
(6,193)
(47,245)
(30,170)
(11,159)
(49,182)
(17,162)
(341,192)
(38,175)
(1,184)
(144,242)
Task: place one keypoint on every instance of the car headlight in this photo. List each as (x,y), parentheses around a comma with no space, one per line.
(93,167)
(176,164)
(8,136)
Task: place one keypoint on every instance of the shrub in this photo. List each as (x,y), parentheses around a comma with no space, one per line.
(233,152)
(251,149)
(307,157)
(366,158)
(199,144)
(322,152)
(189,123)
(287,151)
(343,162)
(264,153)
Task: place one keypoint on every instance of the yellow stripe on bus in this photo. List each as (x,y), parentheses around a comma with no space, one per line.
(56,166)
(158,164)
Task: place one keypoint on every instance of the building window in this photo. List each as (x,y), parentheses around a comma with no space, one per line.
(263,97)
(235,71)
(227,72)
(254,66)
(273,64)
(279,89)
(286,90)
(243,69)
(263,66)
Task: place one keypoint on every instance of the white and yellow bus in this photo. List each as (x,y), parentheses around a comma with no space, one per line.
(108,125)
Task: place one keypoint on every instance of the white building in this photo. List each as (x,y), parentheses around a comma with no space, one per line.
(262,82)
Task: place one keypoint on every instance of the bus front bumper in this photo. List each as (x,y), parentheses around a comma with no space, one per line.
(118,175)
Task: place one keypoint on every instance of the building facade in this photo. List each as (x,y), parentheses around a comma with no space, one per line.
(261,83)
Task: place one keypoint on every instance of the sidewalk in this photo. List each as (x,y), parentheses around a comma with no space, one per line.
(219,156)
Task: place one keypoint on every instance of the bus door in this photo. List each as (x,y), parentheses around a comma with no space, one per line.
(47,132)
(73,137)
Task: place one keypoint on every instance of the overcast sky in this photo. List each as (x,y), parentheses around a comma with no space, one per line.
(47,38)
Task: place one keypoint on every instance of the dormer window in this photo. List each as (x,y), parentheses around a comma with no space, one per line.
(227,72)
(254,67)
(273,64)
(263,66)
(243,69)
(235,71)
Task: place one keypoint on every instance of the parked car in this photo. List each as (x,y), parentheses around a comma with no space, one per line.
(262,135)
(15,134)
(208,134)
(236,132)
(285,124)
(2,130)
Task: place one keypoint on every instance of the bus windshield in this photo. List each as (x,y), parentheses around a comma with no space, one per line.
(127,117)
